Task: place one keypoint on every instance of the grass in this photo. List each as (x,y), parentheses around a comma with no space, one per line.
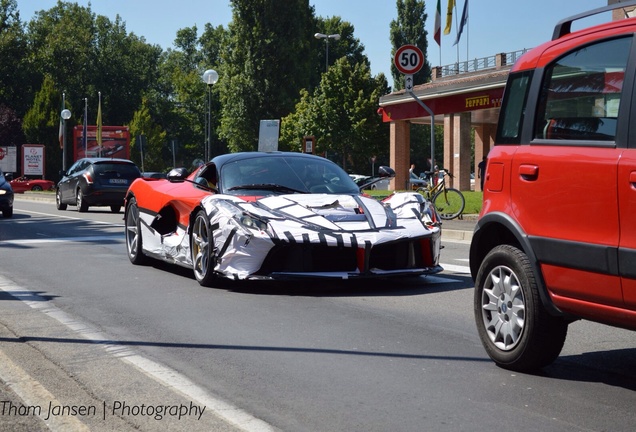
(473,199)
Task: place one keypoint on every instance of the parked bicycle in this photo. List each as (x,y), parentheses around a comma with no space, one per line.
(448,202)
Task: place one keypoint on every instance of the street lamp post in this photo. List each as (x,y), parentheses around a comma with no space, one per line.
(66,114)
(210,77)
(326,37)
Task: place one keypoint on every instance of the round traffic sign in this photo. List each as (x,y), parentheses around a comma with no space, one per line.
(408,59)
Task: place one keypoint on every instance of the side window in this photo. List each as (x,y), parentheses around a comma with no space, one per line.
(513,108)
(581,93)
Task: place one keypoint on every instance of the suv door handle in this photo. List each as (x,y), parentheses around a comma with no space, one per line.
(632,177)
(529,172)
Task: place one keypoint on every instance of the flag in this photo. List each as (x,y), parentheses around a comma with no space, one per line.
(99,122)
(449,16)
(438,23)
(462,22)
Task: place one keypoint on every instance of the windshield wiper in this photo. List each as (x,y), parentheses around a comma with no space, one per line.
(267,186)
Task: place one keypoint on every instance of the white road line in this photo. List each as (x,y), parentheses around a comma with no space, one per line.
(73,218)
(33,393)
(22,242)
(456,268)
(169,377)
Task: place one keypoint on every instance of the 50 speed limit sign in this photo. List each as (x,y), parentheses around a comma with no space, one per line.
(408,59)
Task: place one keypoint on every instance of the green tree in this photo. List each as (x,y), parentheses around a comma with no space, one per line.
(154,143)
(84,54)
(409,29)
(266,64)
(14,75)
(347,46)
(41,125)
(342,115)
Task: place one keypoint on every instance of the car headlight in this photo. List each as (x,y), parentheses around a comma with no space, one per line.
(2,191)
(250,221)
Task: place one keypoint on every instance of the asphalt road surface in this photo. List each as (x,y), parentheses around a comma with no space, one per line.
(99,344)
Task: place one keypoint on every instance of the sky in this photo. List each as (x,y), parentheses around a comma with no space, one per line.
(493,26)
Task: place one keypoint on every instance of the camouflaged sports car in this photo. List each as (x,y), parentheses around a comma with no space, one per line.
(278,216)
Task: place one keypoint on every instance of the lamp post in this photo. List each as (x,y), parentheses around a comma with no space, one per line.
(326,37)
(210,77)
(66,114)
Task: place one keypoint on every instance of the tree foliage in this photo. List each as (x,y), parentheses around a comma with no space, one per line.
(270,66)
(409,29)
(341,114)
(266,64)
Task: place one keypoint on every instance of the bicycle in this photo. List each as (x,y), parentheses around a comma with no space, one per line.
(449,202)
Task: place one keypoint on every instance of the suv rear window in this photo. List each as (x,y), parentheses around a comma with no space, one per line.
(126,170)
(581,93)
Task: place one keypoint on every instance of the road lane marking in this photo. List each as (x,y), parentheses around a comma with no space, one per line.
(163,374)
(33,393)
(22,242)
(456,268)
(74,218)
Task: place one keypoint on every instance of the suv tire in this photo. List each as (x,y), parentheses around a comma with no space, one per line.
(515,329)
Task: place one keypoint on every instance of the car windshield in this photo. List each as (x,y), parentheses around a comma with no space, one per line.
(284,175)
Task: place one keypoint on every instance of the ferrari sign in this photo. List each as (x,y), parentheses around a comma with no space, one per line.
(408,59)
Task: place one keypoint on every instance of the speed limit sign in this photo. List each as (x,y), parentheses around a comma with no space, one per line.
(408,59)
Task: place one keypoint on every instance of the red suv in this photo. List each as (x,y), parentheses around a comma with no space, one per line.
(556,238)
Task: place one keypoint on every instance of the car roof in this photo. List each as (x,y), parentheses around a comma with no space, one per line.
(103,159)
(232,157)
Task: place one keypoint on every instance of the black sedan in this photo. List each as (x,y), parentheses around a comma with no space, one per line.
(96,182)
(6,197)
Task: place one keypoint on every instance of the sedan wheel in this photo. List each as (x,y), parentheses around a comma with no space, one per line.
(58,201)
(36,188)
(132,228)
(202,246)
(82,205)
(515,329)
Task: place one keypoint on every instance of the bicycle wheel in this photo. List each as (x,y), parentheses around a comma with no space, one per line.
(449,203)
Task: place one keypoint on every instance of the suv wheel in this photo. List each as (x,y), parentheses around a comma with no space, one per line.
(515,329)
(82,205)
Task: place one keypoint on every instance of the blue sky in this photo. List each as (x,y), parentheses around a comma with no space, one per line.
(494,26)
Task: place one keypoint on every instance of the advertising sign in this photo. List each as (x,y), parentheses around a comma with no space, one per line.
(33,160)
(9,159)
(268,135)
(115,142)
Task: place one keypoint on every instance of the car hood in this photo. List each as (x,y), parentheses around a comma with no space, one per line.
(318,211)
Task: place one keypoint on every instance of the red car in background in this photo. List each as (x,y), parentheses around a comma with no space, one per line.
(22,184)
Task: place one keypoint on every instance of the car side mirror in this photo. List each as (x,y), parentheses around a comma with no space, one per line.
(386,172)
(177,174)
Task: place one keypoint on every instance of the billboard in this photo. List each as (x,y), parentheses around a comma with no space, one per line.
(9,159)
(33,160)
(115,142)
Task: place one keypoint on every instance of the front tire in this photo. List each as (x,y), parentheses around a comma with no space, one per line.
(115,208)
(7,213)
(202,247)
(513,325)
(132,228)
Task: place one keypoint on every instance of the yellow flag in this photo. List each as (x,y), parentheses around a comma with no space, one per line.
(449,16)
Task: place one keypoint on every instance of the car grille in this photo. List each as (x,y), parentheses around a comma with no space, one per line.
(290,258)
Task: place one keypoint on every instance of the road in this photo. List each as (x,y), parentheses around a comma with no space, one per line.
(81,327)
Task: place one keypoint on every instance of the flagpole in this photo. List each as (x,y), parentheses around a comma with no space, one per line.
(456,32)
(85,131)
